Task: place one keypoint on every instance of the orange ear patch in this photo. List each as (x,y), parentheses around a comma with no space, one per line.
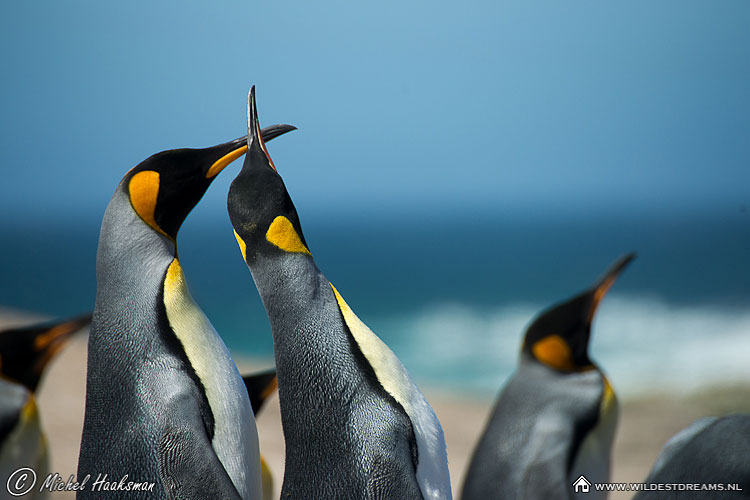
(282,234)
(554,352)
(144,190)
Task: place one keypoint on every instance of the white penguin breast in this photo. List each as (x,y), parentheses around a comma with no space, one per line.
(594,454)
(432,471)
(235,438)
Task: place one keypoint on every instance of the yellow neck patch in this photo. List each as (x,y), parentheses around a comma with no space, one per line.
(213,366)
(144,190)
(242,244)
(388,369)
(225,160)
(29,410)
(554,352)
(282,234)
(266,478)
(608,396)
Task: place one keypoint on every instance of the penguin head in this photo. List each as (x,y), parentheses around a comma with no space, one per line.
(262,213)
(25,352)
(165,187)
(559,336)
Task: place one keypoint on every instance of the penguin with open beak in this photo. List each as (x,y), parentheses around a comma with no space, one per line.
(555,419)
(159,376)
(355,425)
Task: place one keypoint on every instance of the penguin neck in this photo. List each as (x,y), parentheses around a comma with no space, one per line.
(318,338)
(131,263)
(129,249)
(308,335)
(308,331)
(292,288)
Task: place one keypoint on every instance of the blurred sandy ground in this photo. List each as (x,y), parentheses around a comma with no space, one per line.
(645,423)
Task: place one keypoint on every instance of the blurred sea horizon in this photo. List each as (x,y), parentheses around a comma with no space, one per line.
(451,294)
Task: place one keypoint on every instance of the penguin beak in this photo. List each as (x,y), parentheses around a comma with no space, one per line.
(272,132)
(238,147)
(606,282)
(49,342)
(254,135)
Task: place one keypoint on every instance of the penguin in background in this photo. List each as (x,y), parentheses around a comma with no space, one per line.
(555,419)
(159,376)
(260,386)
(24,354)
(26,351)
(22,441)
(355,425)
(713,450)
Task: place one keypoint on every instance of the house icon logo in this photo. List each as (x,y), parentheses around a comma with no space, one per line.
(581,485)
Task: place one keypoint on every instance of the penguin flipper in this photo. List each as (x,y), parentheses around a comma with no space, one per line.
(189,468)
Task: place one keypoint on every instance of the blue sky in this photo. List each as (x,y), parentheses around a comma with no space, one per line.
(515,107)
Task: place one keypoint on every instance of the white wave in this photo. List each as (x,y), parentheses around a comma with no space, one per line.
(646,345)
(643,344)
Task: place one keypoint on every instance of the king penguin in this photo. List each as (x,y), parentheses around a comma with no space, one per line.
(159,376)
(555,419)
(24,354)
(712,451)
(355,425)
(22,442)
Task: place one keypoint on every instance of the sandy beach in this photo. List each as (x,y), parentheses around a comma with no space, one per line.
(645,423)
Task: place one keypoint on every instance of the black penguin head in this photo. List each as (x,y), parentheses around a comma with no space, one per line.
(262,213)
(165,187)
(559,337)
(25,352)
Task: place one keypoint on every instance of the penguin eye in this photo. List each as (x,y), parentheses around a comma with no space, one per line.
(143,190)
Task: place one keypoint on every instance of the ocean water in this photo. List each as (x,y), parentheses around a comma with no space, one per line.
(452,294)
